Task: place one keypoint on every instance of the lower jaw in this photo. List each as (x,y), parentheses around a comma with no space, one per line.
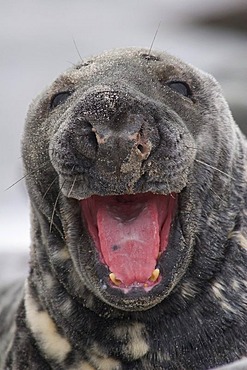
(133,298)
(147,286)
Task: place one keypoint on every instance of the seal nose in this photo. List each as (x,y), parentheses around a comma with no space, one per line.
(143,147)
(128,138)
(120,127)
(124,148)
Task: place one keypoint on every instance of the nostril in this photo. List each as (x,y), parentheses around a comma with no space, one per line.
(141,148)
(89,134)
(87,125)
(84,138)
(92,140)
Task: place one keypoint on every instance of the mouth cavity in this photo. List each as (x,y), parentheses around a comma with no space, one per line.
(130,233)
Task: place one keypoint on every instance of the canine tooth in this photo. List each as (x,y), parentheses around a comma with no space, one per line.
(113,278)
(155,275)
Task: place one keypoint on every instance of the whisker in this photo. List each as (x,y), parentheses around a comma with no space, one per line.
(27,174)
(215,168)
(217,195)
(72,186)
(71,63)
(49,187)
(55,206)
(154,38)
(16,182)
(78,52)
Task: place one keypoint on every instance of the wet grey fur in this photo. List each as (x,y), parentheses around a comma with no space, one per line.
(120,128)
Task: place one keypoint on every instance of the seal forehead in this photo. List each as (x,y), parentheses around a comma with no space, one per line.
(133,57)
(138,67)
(136,54)
(125,61)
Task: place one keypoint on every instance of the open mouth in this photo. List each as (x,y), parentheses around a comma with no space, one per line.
(130,233)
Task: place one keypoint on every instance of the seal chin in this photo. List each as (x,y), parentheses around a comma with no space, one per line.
(130,233)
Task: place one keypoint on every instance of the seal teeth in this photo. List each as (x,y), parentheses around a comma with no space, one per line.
(155,275)
(113,278)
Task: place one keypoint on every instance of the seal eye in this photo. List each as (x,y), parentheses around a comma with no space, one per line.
(180,87)
(59,98)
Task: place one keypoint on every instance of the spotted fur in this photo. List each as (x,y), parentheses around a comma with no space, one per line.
(68,316)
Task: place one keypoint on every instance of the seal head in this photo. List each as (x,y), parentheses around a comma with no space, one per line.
(128,149)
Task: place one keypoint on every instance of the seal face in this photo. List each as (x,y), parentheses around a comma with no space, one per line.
(123,158)
(136,173)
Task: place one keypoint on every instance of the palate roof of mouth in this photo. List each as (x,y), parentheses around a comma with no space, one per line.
(130,232)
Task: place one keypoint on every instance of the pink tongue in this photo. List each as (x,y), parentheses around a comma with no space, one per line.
(129,239)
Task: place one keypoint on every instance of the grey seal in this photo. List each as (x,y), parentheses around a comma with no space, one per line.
(136,173)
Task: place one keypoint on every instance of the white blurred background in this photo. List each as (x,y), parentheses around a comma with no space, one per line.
(36,44)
